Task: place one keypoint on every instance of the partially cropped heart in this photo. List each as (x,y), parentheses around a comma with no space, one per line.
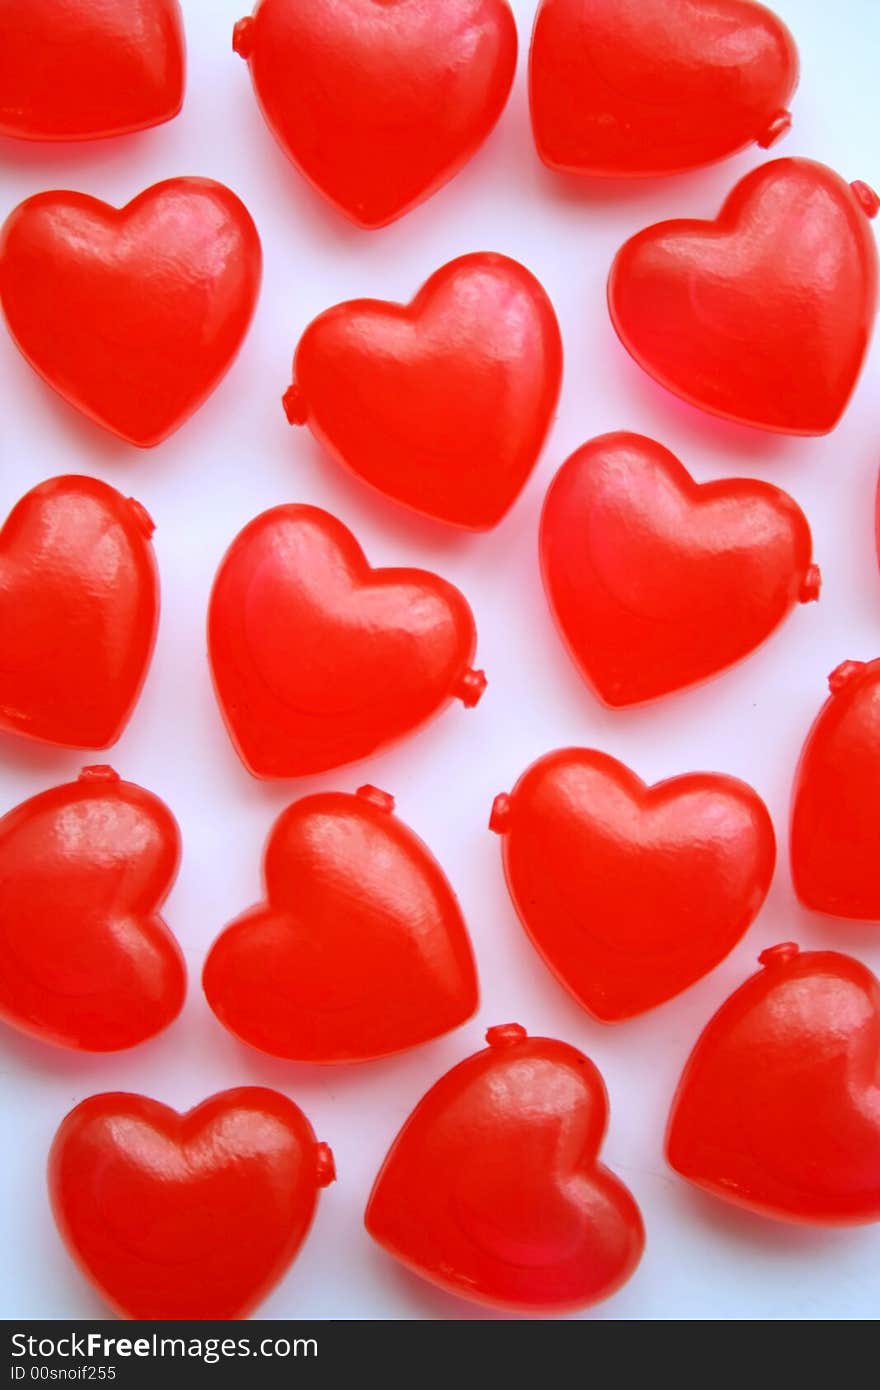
(79,604)
(319,660)
(191,1216)
(494,1190)
(379,104)
(133,315)
(631,892)
(633,87)
(85,69)
(764,315)
(835,828)
(778,1108)
(85,959)
(360,949)
(657,583)
(442,404)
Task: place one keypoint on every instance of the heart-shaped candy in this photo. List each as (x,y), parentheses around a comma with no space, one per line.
(379,104)
(191,1216)
(442,404)
(778,1108)
(79,605)
(82,69)
(657,583)
(319,660)
(764,315)
(835,828)
(132,314)
(631,892)
(635,87)
(85,959)
(360,948)
(493,1188)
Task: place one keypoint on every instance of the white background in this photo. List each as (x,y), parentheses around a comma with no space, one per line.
(238,456)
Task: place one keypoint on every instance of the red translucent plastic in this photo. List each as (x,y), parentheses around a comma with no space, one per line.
(494,1190)
(79,606)
(83,69)
(85,959)
(637,87)
(186,1216)
(777,1109)
(764,315)
(319,660)
(360,948)
(133,315)
(632,892)
(657,582)
(379,102)
(442,404)
(835,821)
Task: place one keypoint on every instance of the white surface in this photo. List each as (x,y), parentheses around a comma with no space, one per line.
(238,456)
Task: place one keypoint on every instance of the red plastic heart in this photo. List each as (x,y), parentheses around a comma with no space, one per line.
(636,87)
(442,404)
(379,105)
(132,314)
(656,582)
(630,892)
(835,831)
(319,660)
(360,948)
(493,1188)
(83,69)
(85,959)
(79,606)
(191,1216)
(764,315)
(778,1108)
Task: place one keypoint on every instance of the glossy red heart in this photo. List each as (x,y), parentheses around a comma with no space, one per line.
(319,660)
(133,315)
(778,1108)
(191,1216)
(835,828)
(85,959)
(765,314)
(636,87)
(657,582)
(630,892)
(81,69)
(79,606)
(360,948)
(493,1189)
(442,404)
(379,104)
